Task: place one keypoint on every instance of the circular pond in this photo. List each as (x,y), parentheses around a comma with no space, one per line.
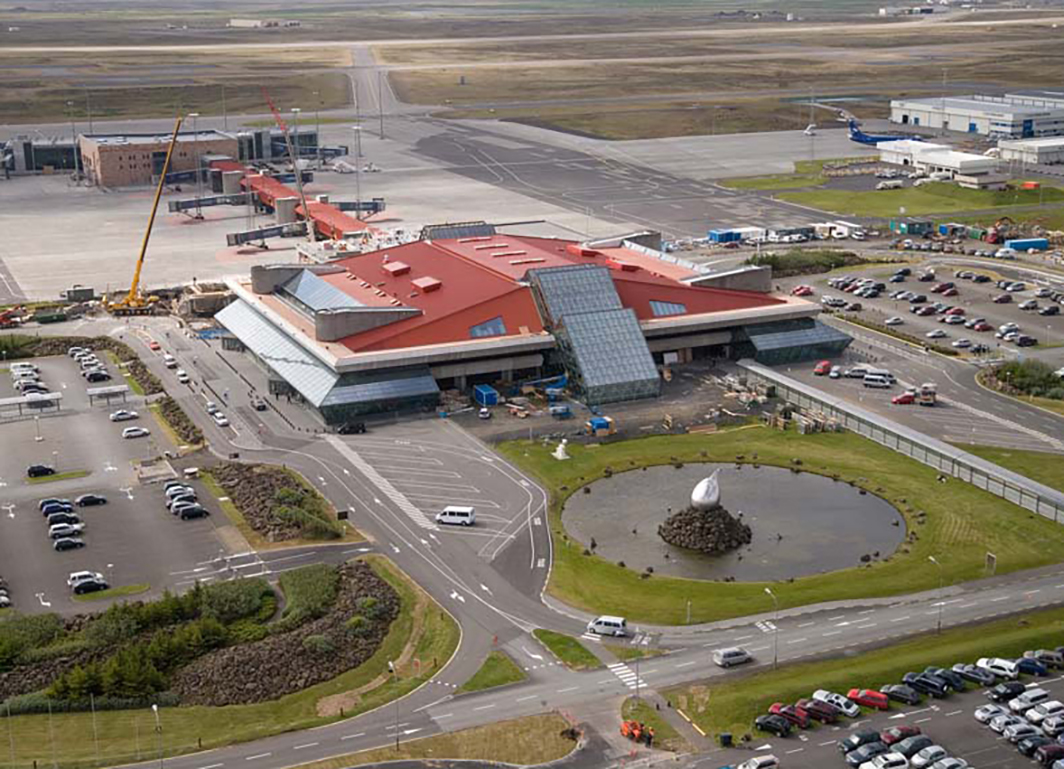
(802,523)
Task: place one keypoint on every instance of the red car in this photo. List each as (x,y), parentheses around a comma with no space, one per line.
(904,399)
(955,311)
(982,327)
(897,734)
(153,345)
(925,311)
(802,291)
(869,698)
(821,711)
(823,368)
(950,292)
(789,712)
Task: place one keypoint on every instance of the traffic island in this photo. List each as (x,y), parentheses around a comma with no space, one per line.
(498,670)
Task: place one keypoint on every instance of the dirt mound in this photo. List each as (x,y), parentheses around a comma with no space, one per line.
(708,531)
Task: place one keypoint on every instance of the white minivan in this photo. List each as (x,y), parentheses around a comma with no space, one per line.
(876,380)
(1028,700)
(615,626)
(734,655)
(457,515)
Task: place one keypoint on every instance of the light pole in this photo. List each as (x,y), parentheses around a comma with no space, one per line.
(196,160)
(317,126)
(358,170)
(776,629)
(55,460)
(295,137)
(158,734)
(931,558)
(37,424)
(395,673)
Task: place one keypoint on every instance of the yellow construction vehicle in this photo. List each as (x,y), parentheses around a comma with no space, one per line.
(134,302)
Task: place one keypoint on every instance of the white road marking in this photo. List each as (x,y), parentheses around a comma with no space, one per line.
(352,736)
(308,745)
(485,707)
(258,755)
(901,619)
(569,689)
(523,699)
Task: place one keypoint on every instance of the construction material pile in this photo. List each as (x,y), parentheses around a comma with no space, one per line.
(712,531)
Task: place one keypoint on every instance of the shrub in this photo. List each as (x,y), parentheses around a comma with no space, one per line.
(230,601)
(371,607)
(40,702)
(310,592)
(805,261)
(358,626)
(1030,377)
(318,644)
(21,633)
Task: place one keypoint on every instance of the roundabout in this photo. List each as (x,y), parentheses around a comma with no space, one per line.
(801,523)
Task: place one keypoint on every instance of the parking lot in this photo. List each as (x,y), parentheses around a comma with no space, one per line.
(949,722)
(131,540)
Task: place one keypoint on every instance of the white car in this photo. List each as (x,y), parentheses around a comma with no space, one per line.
(845,704)
(1053,726)
(122,415)
(1021,731)
(57,530)
(950,763)
(1040,713)
(211,407)
(986,712)
(887,761)
(835,373)
(135,432)
(928,756)
(962,344)
(999,667)
(79,576)
(894,321)
(169,361)
(936,334)
(219,419)
(182,376)
(1000,723)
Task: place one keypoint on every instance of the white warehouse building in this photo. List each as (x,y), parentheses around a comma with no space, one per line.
(935,158)
(1012,116)
(1044,151)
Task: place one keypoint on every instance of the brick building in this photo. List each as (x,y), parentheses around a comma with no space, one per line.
(119,161)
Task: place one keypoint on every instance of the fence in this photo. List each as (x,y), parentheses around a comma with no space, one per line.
(945,458)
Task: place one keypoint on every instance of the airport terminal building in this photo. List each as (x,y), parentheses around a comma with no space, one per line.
(387,330)
(1018,115)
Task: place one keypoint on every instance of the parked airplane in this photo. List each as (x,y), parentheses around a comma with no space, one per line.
(859,136)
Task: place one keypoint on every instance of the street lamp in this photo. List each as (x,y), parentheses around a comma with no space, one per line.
(158,733)
(940,589)
(196,159)
(37,424)
(776,631)
(55,460)
(358,170)
(395,674)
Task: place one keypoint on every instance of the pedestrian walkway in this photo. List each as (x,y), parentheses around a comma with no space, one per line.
(629,678)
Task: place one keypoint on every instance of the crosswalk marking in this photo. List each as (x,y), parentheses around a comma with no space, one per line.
(628,678)
(765,626)
(382,483)
(591,637)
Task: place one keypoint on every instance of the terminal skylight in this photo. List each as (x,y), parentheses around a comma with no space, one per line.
(661,309)
(493,327)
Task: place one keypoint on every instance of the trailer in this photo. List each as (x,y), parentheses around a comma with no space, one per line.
(1028,244)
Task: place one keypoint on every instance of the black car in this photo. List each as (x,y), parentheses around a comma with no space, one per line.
(1051,309)
(1025,341)
(953,680)
(68,543)
(97,376)
(918,299)
(352,428)
(902,693)
(52,501)
(57,507)
(62,517)
(910,746)
(856,740)
(776,725)
(975,674)
(866,752)
(903,271)
(39,471)
(1009,690)
(1028,745)
(1003,299)
(926,684)
(981,278)
(89,500)
(196,511)
(90,586)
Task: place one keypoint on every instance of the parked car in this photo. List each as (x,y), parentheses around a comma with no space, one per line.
(38,471)
(92,585)
(1000,723)
(984,713)
(90,500)
(902,693)
(1004,692)
(193,511)
(1047,657)
(869,698)
(890,760)
(64,503)
(68,543)
(999,667)
(1028,745)
(926,684)
(821,711)
(796,716)
(910,746)
(58,530)
(843,704)
(1051,309)
(1031,667)
(1021,731)
(135,432)
(927,756)
(1003,299)
(61,517)
(950,763)
(953,680)
(77,576)
(856,740)
(1047,754)
(1053,726)
(865,753)
(1040,713)
(894,321)
(894,734)
(975,674)
(123,415)
(56,507)
(776,725)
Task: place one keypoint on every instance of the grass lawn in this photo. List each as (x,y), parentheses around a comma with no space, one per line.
(134,385)
(422,638)
(731,705)
(928,199)
(627,652)
(115,592)
(1049,404)
(165,426)
(568,650)
(962,523)
(523,742)
(256,540)
(498,670)
(665,736)
(1042,466)
(807,173)
(59,476)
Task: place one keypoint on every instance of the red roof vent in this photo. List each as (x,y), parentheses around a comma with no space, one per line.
(396,268)
(625,266)
(578,250)
(427,284)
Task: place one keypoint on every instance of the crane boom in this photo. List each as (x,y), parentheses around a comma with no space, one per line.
(295,164)
(132,298)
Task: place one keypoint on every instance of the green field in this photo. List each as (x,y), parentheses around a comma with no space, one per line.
(961,523)
(68,475)
(732,705)
(422,638)
(665,735)
(936,198)
(498,670)
(567,649)
(115,592)
(1042,466)
(807,173)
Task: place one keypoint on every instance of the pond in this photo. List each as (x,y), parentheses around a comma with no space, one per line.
(802,523)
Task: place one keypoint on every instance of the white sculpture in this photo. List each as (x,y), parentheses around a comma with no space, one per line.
(560,452)
(706,494)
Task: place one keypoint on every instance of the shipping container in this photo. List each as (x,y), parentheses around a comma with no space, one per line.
(1026,244)
(723,236)
(486,395)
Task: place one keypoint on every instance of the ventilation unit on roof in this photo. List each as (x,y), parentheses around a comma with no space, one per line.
(396,268)
(530,260)
(578,250)
(474,240)
(625,266)
(491,245)
(364,284)
(510,253)
(427,284)
(395,303)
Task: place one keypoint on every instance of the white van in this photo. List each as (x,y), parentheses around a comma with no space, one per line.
(726,658)
(615,626)
(876,380)
(881,372)
(457,515)
(1028,700)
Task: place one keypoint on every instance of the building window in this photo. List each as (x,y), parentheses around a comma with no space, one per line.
(493,327)
(661,309)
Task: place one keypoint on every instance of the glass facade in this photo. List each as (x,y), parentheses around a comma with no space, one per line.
(608,357)
(309,293)
(789,341)
(493,327)
(580,288)
(663,309)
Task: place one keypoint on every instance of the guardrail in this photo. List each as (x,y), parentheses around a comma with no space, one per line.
(947,459)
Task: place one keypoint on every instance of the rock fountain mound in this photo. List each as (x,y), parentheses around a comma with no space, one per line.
(712,531)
